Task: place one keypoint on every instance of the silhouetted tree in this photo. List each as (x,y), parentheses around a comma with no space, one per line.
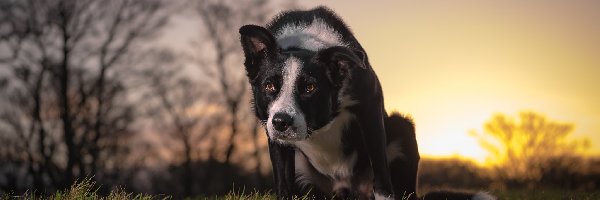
(451,173)
(183,110)
(67,104)
(526,148)
(220,23)
(220,59)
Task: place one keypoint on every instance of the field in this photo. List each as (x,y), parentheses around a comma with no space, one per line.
(87,190)
(547,194)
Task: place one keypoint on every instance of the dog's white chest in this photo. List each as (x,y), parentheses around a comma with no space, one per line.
(324,149)
(328,158)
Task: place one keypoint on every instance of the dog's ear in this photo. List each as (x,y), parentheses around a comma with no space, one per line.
(339,61)
(259,45)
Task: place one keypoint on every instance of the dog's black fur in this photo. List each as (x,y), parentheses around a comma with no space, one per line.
(322,105)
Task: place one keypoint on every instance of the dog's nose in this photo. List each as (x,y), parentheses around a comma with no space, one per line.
(282,121)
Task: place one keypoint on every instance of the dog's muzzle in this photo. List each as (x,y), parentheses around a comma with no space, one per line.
(282,122)
(285,127)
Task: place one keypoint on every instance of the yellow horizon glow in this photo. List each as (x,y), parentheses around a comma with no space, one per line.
(452,65)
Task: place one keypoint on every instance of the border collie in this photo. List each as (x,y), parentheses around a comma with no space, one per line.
(322,106)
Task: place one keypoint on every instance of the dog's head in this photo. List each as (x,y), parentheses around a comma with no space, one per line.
(296,91)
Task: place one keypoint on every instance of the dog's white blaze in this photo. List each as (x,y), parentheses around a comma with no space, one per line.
(324,148)
(285,103)
(314,36)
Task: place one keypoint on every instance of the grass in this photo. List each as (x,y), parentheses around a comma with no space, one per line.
(83,190)
(547,194)
(87,190)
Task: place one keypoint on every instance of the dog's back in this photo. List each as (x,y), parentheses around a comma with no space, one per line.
(402,154)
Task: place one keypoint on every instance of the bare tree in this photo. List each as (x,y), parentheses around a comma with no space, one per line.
(221,19)
(183,109)
(220,59)
(524,149)
(67,61)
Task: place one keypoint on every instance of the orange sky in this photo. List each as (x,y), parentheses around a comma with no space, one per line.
(452,64)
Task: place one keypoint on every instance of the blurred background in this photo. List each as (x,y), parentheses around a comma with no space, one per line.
(151,95)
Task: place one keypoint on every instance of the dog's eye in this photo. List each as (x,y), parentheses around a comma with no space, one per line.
(270,87)
(311,87)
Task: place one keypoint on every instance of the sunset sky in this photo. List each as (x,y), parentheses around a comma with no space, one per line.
(453,64)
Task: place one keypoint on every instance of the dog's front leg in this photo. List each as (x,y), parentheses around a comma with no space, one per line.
(375,141)
(282,159)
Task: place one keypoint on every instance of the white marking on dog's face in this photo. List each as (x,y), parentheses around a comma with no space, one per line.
(314,36)
(286,103)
